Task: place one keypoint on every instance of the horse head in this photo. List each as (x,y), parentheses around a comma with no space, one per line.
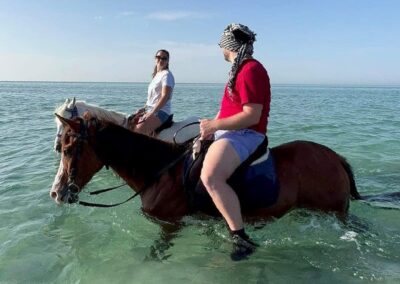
(67,110)
(72,108)
(79,161)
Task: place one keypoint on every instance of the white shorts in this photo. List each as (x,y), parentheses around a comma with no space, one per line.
(244,141)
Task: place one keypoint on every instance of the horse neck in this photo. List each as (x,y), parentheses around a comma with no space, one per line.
(135,157)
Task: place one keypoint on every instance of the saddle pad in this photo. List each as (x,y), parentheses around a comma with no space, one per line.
(257,186)
(183,134)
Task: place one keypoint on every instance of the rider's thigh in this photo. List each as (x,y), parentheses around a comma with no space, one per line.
(221,160)
(148,126)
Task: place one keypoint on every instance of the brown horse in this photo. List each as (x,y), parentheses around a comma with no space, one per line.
(310,175)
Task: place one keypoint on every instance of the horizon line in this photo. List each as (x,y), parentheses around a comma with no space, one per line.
(138,82)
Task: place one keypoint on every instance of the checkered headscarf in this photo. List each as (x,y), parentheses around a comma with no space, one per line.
(237,38)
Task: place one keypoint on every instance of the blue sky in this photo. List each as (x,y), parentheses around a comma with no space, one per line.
(298,41)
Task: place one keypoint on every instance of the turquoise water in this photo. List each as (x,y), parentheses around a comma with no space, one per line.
(45,243)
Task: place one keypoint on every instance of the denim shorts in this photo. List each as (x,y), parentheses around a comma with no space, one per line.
(162,116)
(244,141)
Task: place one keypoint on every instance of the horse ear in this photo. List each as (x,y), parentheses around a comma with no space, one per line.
(68,103)
(68,122)
(73,101)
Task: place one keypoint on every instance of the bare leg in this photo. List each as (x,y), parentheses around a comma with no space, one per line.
(220,162)
(148,126)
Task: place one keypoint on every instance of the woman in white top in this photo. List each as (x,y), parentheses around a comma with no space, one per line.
(159,95)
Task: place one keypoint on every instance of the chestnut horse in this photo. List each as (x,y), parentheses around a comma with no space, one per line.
(310,175)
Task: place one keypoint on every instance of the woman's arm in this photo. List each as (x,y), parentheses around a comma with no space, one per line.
(249,116)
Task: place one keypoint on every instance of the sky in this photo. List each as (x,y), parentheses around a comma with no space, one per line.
(298,41)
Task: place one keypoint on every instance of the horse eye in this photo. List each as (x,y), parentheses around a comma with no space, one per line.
(67,152)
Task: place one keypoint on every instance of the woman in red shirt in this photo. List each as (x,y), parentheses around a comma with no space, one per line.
(239,128)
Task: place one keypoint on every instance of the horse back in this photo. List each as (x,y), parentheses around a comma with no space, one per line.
(311,175)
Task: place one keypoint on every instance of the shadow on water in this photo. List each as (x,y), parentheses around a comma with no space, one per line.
(387,201)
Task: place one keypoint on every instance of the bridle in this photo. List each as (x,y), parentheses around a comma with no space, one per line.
(71,191)
(73,111)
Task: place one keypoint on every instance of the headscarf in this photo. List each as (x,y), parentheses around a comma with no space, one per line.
(237,38)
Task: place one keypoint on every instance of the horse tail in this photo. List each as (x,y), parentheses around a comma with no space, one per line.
(353,188)
(390,197)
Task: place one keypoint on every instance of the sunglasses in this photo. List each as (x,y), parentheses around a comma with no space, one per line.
(158,57)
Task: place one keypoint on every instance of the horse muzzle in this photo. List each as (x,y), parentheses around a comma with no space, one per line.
(69,194)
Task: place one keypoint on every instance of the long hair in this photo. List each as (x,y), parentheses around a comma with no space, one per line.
(155,66)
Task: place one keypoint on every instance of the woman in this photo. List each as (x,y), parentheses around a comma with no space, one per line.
(159,94)
(238,129)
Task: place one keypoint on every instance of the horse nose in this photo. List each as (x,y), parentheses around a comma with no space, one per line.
(55,196)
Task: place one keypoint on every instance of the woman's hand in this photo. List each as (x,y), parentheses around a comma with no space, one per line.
(140,111)
(207,127)
(145,116)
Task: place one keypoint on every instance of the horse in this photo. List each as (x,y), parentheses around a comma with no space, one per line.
(72,108)
(310,175)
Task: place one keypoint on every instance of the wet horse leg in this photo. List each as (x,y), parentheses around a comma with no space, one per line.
(164,242)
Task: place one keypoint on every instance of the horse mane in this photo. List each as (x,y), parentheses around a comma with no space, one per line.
(101,113)
(109,115)
(136,152)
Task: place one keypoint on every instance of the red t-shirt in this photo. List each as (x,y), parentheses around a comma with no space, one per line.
(251,86)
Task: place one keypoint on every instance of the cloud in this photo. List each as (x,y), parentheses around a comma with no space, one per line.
(175,15)
(127,13)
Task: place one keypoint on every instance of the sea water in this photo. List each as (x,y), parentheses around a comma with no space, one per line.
(42,242)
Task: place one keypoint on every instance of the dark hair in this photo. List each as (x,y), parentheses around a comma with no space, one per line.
(155,67)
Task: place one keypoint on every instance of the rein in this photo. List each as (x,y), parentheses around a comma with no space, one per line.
(121,185)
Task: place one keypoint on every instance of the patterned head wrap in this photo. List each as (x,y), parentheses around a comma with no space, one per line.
(237,38)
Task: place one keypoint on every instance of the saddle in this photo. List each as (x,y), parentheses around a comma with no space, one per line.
(170,130)
(254,181)
(134,118)
(168,123)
